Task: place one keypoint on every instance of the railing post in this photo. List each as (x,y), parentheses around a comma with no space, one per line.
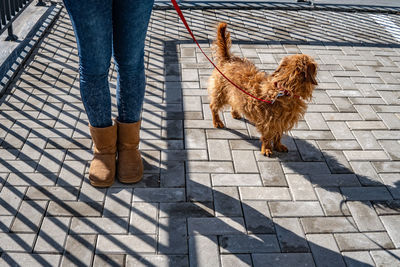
(41,3)
(11,36)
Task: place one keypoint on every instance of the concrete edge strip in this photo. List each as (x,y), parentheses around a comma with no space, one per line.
(22,52)
(279,6)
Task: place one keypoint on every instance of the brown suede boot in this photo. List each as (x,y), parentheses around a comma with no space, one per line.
(102,168)
(129,164)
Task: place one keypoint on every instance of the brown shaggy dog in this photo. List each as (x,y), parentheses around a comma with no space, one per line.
(296,74)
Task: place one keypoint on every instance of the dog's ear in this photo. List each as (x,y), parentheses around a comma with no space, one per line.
(282,64)
(310,73)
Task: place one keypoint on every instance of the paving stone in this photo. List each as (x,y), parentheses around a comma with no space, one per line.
(391,120)
(244,161)
(186,209)
(328,180)
(199,187)
(365,216)
(97,225)
(306,168)
(387,166)
(10,199)
(290,235)
(89,193)
(366,173)
(236,180)
(125,244)
(143,219)
(195,139)
(264,193)
(237,260)
(282,259)
(78,250)
(319,225)
(295,209)
(219,150)
(52,235)
(357,259)
(363,241)
(308,150)
(248,243)
(29,216)
(272,174)
(366,112)
(51,193)
(51,160)
(340,130)
(69,208)
(38,179)
(391,223)
(392,182)
(386,134)
(341,116)
(159,194)
(332,201)
(339,145)
(391,207)
(315,121)
(203,250)
(353,155)
(343,104)
(172,236)
(337,162)
(157,260)
(365,125)
(173,175)
(22,242)
(25,259)
(366,193)
(117,202)
(257,217)
(312,135)
(392,148)
(366,140)
(216,226)
(209,166)
(386,257)
(325,250)
(227,202)
(301,187)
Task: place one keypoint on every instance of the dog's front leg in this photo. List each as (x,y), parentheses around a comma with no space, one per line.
(266,148)
(278,146)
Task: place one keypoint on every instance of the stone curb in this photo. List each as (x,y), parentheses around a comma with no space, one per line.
(279,6)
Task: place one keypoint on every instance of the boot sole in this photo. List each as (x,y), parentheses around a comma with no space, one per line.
(125,181)
(97,184)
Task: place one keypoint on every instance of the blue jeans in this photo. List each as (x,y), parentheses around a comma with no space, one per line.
(105,28)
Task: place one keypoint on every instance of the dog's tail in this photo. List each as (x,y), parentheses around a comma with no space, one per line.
(223,43)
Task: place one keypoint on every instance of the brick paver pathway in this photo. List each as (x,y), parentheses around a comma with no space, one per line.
(208,197)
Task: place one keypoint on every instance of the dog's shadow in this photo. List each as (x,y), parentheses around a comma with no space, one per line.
(338,172)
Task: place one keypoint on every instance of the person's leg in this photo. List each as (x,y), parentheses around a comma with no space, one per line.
(92,23)
(130,21)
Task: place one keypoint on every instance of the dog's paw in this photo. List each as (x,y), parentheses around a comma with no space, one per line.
(218,124)
(281,148)
(266,152)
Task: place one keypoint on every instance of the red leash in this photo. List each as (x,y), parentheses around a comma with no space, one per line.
(179,11)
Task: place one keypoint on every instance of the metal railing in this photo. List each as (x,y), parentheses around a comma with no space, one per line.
(9,11)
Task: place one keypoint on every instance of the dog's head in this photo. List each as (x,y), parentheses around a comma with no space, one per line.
(297,74)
